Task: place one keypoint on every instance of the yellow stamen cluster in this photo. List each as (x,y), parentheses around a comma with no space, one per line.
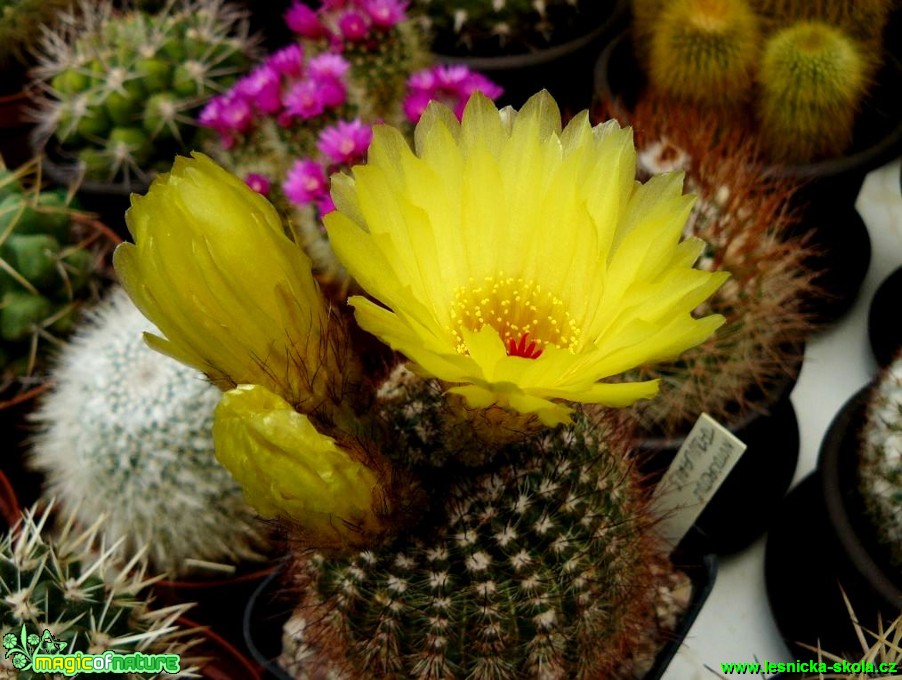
(515,307)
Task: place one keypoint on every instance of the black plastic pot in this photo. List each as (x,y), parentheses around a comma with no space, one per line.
(268,609)
(820,546)
(565,69)
(843,256)
(884,332)
(741,509)
(219,602)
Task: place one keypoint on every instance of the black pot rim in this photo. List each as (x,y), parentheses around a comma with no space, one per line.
(509,62)
(839,442)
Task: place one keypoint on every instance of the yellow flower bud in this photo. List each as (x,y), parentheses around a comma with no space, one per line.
(289,470)
(234,297)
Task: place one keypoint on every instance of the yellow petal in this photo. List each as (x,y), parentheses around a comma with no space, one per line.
(287,469)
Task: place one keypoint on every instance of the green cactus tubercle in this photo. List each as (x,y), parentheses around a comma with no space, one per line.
(540,568)
(55,580)
(812,79)
(122,89)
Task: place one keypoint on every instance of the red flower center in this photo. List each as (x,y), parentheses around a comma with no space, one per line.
(521,349)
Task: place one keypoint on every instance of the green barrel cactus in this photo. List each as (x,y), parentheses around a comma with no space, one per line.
(880,462)
(812,79)
(126,432)
(49,270)
(542,567)
(55,581)
(705,51)
(122,89)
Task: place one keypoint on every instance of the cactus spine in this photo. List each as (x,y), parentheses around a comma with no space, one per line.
(127,432)
(705,51)
(56,583)
(540,568)
(812,79)
(880,464)
(743,216)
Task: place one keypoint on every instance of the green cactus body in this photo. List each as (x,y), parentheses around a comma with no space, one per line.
(45,275)
(880,463)
(122,89)
(705,51)
(127,432)
(812,79)
(541,568)
(54,581)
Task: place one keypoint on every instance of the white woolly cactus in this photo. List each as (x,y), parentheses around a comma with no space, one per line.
(880,465)
(57,582)
(126,431)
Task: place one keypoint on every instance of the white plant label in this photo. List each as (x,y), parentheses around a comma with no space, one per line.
(699,468)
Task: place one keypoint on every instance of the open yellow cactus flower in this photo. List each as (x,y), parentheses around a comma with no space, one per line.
(519,261)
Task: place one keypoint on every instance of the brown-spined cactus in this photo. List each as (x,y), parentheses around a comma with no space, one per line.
(543,567)
(746,219)
(865,20)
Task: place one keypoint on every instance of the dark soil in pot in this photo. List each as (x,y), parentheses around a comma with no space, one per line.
(818,543)
(564,66)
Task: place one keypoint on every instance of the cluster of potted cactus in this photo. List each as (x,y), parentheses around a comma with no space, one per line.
(437,350)
(798,74)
